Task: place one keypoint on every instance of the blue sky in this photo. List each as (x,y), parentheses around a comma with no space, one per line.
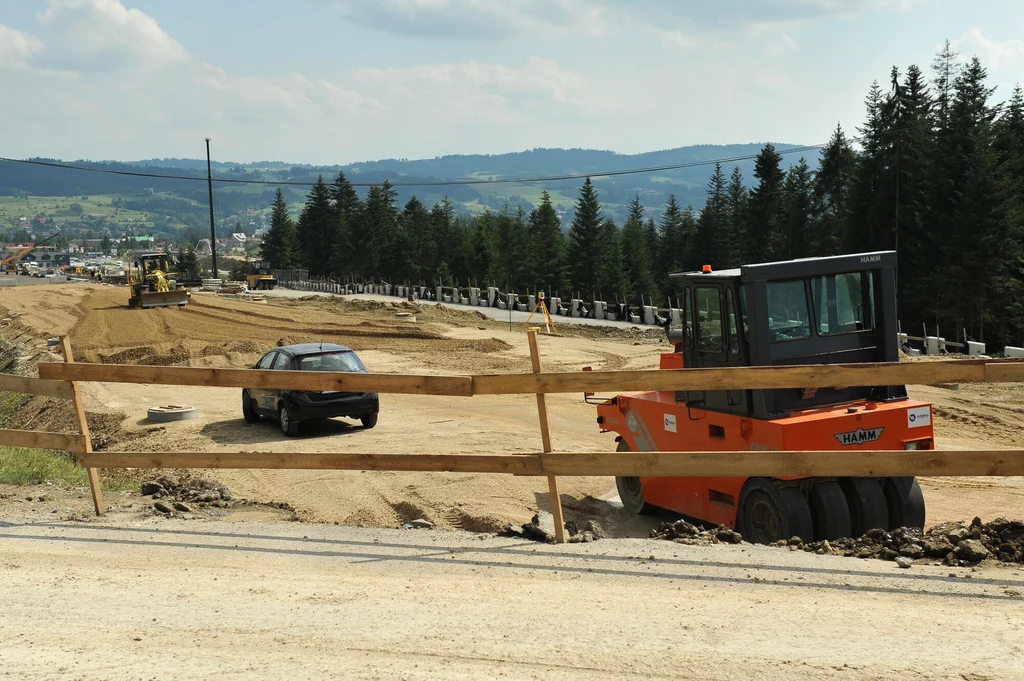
(339,81)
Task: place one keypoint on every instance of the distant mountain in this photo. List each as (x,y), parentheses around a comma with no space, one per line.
(688,184)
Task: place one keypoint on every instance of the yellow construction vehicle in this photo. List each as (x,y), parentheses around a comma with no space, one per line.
(260,277)
(152,282)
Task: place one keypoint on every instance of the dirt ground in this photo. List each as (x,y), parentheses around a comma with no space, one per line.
(219,331)
(123,599)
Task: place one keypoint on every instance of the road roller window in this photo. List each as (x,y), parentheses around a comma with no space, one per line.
(844,303)
(788,318)
(709,320)
(730,312)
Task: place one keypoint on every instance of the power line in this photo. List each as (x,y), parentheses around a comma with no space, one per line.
(425,183)
(451,183)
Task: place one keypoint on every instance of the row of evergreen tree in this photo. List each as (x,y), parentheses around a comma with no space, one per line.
(938,177)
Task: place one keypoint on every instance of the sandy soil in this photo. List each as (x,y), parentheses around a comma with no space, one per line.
(219,331)
(121,600)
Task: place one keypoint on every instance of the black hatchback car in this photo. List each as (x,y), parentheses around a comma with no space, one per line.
(291,407)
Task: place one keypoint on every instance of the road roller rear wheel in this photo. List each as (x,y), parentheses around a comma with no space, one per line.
(904,501)
(769,513)
(631,492)
(830,513)
(868,509)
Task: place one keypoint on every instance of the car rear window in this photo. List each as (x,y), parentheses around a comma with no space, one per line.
(330,361)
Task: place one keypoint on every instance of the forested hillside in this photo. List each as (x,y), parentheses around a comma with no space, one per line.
(938,176)
(686,183)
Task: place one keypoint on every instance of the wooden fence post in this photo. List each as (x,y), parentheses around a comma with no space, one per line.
(83,428)
(542,412)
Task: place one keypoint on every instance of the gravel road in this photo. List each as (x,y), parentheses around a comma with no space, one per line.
(124,598)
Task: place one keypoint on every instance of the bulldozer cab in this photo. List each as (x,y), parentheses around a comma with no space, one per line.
(831,310)
(149,264)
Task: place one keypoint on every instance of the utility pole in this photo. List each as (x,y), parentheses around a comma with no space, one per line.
(213,229)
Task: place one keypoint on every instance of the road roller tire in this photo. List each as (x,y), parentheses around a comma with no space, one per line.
(904,502)
(868,508)
(830,513)
(769,513)
(631,492)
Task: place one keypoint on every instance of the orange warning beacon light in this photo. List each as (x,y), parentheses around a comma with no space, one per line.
(706,269)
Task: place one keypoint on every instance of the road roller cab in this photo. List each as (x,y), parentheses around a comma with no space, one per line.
(834,310)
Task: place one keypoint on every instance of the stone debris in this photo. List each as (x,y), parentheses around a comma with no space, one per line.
(953,544)
(542,528)
(683,532)
(188,494)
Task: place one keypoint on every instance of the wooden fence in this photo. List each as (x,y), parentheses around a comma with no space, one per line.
(60,380)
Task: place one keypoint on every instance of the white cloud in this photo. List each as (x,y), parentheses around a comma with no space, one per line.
(16,48)
(1009,52)
(781,46)
(105,35)
(479,19)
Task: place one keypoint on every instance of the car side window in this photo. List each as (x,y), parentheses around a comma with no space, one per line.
(281,362)
(267,360)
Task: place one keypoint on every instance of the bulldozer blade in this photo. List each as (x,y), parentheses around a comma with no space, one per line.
(154,299)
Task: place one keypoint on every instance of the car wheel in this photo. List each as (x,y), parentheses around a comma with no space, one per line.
(368,420)
(248,411)
(289,426)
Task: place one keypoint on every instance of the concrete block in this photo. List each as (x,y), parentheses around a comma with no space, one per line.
(650,315)
(975,348)
(1011,351)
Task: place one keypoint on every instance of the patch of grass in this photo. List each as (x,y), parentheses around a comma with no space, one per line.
(22,466)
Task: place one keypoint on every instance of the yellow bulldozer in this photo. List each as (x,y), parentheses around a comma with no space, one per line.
(153,283)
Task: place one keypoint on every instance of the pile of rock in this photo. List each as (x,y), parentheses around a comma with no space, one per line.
(683,532)
(954,544)
(542,528)
(172,494)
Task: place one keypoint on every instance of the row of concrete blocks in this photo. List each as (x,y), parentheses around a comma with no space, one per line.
(493,297)
(936,345)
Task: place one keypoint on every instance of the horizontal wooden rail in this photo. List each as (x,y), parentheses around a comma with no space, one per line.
(37,439)
(775,464)
(749,378)
(35,386)
(461,386)
(452,463)
(871,463)
(731,378)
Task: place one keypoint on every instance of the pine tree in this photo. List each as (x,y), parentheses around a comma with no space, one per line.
(1007,290)
(797,206)
(546,244)
(316,230)
(380,234)
(280,243)
(979,258)
(713,226)
(870,227)
(417,253)
(347,225)
(584,248)
(830,197)
(671,252)
(766,211)
(737,199)
(611,281)
(636,258)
